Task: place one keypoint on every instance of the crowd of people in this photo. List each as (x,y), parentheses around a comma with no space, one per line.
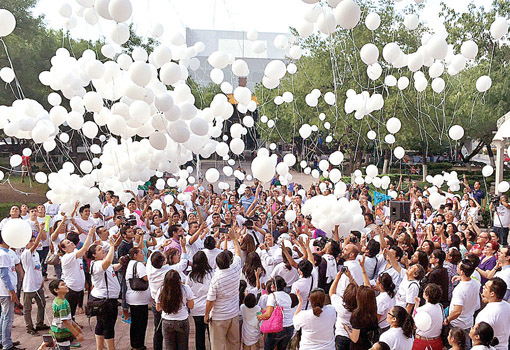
(231,264)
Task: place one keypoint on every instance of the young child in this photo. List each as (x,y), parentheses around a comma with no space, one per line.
(63,328)
(250,329)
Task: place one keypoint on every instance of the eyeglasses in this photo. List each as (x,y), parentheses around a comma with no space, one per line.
(391,314)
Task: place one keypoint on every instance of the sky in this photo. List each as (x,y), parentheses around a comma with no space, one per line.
(239,15)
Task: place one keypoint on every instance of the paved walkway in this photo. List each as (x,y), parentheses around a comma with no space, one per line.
(30,342)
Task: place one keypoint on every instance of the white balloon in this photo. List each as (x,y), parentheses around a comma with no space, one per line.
(372,171)
(120,10)
(483,83)
(289,159)
(411,21)
(7,74)
(263,168)
(275,69)
(503,186)
(399,152)
(212,175)
(290,216)
(15,160)
(487,171)
(393,125)
(423,321)
(86,166)
(7,22)
(499,28)
(436,69)
(237,146)
(389,139)
(403,83)
(469,49)
(16,233)
(373,21)
(438,85)
(240,68)
(347,14)
(90,129)
(371,135)
(391,52)
(369,54)
(456,132)
(41,177)
(437,47)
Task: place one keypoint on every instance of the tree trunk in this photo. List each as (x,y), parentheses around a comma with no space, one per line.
(491,155)
(424,166)
(386,162)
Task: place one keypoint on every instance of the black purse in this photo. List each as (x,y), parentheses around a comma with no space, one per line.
(136,283)
(97,307)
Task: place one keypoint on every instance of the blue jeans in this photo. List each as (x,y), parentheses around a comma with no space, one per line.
(502,233)
(123,288)
(279,340)
(6,320)
(42,257)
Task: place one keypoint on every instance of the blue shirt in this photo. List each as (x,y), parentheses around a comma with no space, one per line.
(246,202)
(477,195)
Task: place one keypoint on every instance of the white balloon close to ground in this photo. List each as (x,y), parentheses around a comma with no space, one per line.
(15,160)
(263,168)
(41,177)
(16,233)
(290,216)
(423,321)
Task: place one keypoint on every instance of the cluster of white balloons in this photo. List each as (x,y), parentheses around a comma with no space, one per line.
(328,211)
(362,104)
(451,179)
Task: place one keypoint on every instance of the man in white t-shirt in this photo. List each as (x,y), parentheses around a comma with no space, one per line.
(497,311)
(8,295)
(222,308)
(33,288)
(501,219)
(504,273)
(465,300)
(350,253)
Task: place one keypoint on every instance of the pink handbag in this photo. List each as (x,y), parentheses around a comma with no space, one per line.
(273,324)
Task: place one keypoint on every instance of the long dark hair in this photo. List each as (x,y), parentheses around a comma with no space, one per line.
(404,320)
(200,268)
(387,284)
(459,336)
(349,297)
(171,294)
(285,261)
(251,265)
(486,334)
(366,309)
(317,298)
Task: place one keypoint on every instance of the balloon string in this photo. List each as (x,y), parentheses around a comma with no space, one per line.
(18,86)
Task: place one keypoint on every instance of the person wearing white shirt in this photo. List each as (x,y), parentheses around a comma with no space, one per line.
(465,300)
(211,251)
(385,300)
(33,288)
(278,297)
(497,311)
(251,334)
(317,325)
(430,339)
(138,300)
(410,286)
(106,287)
(344,305)
(350,253)
(504,273)
(72,269)
(173,300)
(285,269)
(307,281)
(482,335)
(156,271)
(222,307)
(501,219)
(199,280)
(400,334)
(270,254)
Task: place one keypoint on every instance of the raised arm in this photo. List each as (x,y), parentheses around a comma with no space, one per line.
(107,261)
(289,258)
(81,253)
(60,227)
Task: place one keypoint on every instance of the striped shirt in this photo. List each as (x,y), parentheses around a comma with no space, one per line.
(224,290)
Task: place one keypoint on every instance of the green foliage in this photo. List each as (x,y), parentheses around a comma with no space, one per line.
(333,64)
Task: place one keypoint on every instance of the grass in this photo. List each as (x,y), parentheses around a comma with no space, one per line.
(32,187)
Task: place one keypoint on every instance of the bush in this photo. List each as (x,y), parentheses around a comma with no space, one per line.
(5,207)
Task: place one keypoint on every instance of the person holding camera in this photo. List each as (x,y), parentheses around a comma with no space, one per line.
(501,218)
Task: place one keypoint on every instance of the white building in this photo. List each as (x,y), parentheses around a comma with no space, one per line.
(236,44)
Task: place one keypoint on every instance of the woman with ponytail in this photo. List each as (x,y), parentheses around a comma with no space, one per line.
(174,299)
(457,339)
(317,324)
(385,300)
(400,334)
(482,336)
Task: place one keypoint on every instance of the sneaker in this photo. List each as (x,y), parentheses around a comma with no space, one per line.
(128,321)
(42,327)
(75,344)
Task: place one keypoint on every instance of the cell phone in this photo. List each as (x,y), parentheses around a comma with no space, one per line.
(343,269)
(223,230)
(48,340)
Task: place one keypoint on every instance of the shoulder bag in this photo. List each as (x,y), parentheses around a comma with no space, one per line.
(274,323)
(136,283)
(97,307)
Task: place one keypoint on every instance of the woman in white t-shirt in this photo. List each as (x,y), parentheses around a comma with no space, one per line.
(385,300)
(174,299)
(318,324)
(199,280)
(105,287)
(430,339)
(400,334)
(308,279)
(72,268)
(285,269)
(138,300)
(482,336)
(278,298)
